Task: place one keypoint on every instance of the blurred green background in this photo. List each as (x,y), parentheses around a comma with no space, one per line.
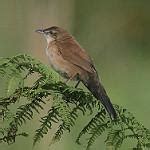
(116,33)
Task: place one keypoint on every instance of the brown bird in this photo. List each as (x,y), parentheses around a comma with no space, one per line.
(71,61)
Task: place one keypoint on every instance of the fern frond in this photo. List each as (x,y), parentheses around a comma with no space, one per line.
(46,124)
(58,134)
(24,112)
(96,132)
(63,127)
(115,138)
(11,139)
(97,120)
(68,104)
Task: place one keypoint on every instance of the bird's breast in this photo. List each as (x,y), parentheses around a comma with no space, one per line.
(55,60)
(59,64)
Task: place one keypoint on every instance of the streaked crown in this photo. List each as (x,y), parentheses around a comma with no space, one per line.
(53,33)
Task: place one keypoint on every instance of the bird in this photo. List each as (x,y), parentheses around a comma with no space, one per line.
(72,62)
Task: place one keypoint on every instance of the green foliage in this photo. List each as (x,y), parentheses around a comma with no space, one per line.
(30,97)
(46,124)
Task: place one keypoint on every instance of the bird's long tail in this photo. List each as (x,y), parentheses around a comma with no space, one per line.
(99,92)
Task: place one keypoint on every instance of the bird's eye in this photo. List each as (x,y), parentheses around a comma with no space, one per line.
(51,32)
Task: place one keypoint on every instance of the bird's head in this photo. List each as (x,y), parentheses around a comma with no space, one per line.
(53,33)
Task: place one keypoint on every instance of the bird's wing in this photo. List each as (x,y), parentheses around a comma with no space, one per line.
(72,52)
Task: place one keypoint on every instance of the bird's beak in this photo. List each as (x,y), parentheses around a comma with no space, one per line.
(39,31)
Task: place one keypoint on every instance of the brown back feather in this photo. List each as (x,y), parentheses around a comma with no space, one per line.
(73,53)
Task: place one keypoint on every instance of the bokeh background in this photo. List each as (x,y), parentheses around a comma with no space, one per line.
(116,33)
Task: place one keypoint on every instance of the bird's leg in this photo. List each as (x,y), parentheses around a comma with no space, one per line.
(78,79)
(77,84)
(69,79)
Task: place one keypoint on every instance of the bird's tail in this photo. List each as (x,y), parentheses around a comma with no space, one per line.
(99,92)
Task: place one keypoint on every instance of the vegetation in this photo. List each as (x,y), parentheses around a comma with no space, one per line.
(26,97)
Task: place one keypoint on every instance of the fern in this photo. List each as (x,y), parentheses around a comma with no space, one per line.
(68,104)
(10,138)
(58,134)
(46,124)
